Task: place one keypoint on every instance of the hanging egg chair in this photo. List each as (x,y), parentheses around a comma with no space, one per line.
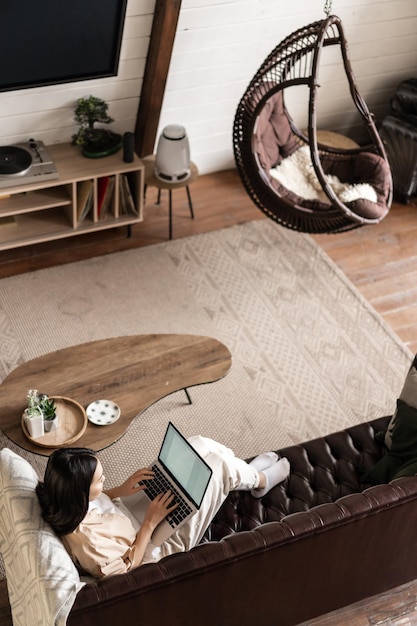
(265,136)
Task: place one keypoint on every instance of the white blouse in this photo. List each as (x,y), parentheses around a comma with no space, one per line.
(102,544)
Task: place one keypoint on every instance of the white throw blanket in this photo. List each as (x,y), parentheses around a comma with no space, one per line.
(296,173)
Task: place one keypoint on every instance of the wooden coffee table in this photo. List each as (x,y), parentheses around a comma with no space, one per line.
(134,372)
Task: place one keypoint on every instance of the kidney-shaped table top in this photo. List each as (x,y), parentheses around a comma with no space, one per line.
(132,371)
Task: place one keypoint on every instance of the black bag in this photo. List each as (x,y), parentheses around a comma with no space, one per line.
(400,140)
(399,134)
(404,102)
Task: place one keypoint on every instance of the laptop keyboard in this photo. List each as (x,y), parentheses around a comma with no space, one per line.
(160,484)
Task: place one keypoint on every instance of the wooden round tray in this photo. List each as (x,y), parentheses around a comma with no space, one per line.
(72,422)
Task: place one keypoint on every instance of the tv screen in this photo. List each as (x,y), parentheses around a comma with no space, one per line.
(48,42)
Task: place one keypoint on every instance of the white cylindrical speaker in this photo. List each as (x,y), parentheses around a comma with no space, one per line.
(172,161)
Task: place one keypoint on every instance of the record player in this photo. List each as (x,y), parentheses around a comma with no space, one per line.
(25,163)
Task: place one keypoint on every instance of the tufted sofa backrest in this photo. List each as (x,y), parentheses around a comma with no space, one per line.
(322,470)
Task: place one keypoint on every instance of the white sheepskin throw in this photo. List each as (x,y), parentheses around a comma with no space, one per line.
(296,173)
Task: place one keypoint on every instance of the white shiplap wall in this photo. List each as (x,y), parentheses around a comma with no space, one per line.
(218,47)
(47,113)
(221,43)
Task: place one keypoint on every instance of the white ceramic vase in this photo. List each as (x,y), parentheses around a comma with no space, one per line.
(35,425)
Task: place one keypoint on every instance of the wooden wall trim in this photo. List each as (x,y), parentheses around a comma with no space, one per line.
(164,28)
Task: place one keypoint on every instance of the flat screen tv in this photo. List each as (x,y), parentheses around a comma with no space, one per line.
(50,42)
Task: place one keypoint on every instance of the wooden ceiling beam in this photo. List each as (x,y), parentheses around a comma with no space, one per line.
(164,28)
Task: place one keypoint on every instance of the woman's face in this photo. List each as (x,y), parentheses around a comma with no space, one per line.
(96,486)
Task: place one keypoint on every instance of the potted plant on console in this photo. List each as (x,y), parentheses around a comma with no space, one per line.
(95,142)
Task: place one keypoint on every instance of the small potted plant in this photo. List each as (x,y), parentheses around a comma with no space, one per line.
(33,415)
(40,414)
(94,142)
(48,408)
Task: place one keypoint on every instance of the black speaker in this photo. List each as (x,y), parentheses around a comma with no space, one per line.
(128,147)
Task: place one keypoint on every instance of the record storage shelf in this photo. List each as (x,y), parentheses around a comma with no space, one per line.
(47,210)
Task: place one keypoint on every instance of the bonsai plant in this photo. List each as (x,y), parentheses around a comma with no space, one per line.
(95,142)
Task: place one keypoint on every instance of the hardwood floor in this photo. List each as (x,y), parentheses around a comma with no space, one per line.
(218,200)
(380,260)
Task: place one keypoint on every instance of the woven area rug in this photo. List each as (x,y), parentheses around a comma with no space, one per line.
(310,356)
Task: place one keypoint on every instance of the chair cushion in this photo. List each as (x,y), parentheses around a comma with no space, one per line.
(363,168)
(274,139)
(401,459)
(42,580)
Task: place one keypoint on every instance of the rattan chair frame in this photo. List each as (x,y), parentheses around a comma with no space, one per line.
(296,61)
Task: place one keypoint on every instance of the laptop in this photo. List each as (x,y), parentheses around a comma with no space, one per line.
(181,469)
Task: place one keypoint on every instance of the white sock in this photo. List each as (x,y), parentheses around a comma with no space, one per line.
(264,460)
(274,474)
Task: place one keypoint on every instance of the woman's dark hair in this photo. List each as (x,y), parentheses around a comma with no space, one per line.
(64,492)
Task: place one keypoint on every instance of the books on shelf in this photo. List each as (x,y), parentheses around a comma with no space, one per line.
(105,190)
(127,203)
(85,199)
(105,197)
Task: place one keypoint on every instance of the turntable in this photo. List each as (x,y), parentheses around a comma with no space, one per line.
(25,163)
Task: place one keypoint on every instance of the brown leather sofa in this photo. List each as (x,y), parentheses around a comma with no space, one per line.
(315,543)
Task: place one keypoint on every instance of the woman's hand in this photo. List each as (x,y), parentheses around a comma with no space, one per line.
(131,486)
(159,508)
(156,512)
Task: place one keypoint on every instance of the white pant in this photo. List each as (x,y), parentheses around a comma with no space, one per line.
(229,473)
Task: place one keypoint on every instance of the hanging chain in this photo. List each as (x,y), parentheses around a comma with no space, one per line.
(328,7)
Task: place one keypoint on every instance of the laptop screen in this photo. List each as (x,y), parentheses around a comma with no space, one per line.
(185,465)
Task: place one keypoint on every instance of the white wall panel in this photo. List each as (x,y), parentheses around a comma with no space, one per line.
(47,113)
(218,47)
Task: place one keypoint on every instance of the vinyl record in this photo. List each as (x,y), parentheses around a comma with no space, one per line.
(14,160)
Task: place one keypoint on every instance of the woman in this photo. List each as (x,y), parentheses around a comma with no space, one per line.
(102,535)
